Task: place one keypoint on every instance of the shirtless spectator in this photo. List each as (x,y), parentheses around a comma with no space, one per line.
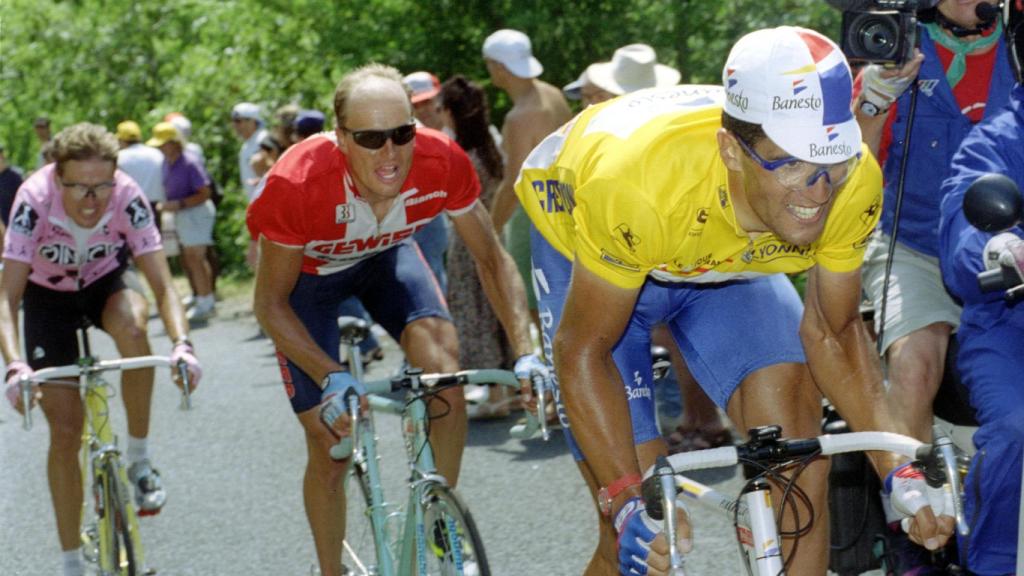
(538,109)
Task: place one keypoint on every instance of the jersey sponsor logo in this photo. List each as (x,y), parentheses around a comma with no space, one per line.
(869,214)
(414,200)
(639,391)
(138,213)
(775,250)
(555,195)
(617,262)
(24,220)
(344,213)
(699,221)
(703,264)
(723,197)
(628,238)
(64,255)
(358,246)
(927,86)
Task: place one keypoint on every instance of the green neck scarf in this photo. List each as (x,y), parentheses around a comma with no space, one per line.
(960,49)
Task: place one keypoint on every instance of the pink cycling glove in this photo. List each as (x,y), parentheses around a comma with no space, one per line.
(183,353)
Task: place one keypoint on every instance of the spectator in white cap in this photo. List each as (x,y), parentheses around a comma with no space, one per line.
(184,126)
(538,109)
(248,126)
(633,67)
(424,88)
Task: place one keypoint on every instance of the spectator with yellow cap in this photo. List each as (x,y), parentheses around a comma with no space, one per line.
(188,197)
(144,164)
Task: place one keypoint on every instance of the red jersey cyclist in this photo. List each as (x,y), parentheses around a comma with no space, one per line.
(334,219)
(74,222)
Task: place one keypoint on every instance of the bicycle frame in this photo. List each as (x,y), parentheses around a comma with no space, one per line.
(100,456)
(756,528)
(411,552)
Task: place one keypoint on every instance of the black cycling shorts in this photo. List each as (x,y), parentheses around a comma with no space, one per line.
(52,317)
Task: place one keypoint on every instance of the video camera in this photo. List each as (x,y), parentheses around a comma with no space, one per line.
(880,31)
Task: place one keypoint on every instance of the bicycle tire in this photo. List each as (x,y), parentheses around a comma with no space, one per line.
(454,546)
(122,551)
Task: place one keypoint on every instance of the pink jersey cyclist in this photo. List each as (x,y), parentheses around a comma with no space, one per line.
(41,233)
(302,204)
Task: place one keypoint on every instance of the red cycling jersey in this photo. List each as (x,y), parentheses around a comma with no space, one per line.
(309,199)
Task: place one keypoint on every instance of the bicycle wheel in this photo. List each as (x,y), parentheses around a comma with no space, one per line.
(119,549)
(454,546)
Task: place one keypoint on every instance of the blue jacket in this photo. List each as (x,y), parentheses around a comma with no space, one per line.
(939,127)
(994,145)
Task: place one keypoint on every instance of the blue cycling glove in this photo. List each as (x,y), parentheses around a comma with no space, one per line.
(333,399)
(636,532)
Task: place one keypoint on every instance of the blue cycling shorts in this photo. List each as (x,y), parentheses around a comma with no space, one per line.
(396,287)
(725,331)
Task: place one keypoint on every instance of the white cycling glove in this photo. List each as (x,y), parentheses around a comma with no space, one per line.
(882,91)
(909,492)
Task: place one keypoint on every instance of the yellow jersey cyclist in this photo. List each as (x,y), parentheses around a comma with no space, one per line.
(682,205)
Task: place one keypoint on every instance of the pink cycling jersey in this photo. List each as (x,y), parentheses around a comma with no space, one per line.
(309,199)
(40,233)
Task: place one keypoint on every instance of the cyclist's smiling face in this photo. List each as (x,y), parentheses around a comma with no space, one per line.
(795,214)
(86,187)
(377,104)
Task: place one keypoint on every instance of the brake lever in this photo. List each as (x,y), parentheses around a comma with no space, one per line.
(538,381)
(25,388)
(666,476)
(186,394)
(343,449)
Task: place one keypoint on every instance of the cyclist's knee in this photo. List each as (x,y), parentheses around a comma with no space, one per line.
(916,361)
(65,437)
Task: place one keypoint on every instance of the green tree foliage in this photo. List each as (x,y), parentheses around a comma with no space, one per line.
(109,60)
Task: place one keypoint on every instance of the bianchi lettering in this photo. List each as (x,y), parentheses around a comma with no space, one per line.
(738,100)
(426,197)
(805,103)
(831,150)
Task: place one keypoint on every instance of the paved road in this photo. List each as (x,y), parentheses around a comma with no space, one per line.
(233,469)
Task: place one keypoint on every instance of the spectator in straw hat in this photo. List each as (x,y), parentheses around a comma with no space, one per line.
(633,67)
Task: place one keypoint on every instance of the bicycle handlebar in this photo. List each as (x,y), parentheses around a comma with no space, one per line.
(51,377)
(415,380)
(766,447)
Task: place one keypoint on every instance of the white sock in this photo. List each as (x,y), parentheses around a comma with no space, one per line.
(138,449)
(72,561)
(207,302)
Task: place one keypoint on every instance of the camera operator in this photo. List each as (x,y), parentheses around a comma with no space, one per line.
(963,74)
(991,336)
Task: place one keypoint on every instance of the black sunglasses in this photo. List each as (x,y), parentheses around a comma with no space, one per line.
(376,139)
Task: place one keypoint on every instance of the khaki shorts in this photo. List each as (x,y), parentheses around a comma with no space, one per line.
(195,224)
(917,296)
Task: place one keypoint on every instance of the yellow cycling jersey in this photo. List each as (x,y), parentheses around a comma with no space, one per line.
(636,187)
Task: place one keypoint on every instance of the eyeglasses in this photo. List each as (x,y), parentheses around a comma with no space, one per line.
(376,139)
(797,174)
(80,191)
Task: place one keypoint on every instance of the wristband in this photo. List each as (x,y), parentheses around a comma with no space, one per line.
(606,494)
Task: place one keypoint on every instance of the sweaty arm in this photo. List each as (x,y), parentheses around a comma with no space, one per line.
(842,360)
(158,274)
(12,288)
(596,314)
(498,275)
(278,270)
(517,141)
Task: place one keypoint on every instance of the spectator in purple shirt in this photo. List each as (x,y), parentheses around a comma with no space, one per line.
(188,198)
